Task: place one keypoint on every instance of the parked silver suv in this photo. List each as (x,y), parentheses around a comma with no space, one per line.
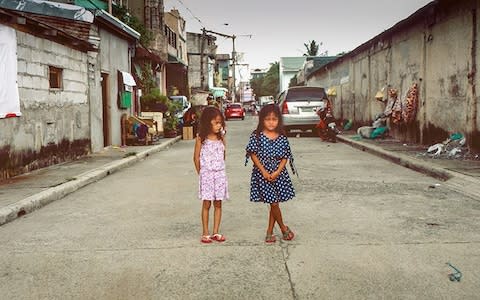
(299,106)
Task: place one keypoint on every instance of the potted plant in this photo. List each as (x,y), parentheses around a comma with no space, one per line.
(154,101)
(171,120)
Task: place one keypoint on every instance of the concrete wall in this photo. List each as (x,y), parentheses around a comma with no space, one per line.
(113,57)
(54,126)
(436,53)
(194,58)
(194,71)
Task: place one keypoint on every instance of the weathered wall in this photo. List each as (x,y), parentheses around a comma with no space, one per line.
(194,49)
(194,71)
(54,126)
(113,57)
(439,52)
(95,96)
(447,86)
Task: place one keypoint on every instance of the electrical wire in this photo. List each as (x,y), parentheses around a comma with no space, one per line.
(190,11)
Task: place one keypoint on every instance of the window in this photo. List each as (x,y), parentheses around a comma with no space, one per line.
(55,77)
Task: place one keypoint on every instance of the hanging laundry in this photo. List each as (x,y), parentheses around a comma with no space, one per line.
(396,114)
(409,107)
(392,99)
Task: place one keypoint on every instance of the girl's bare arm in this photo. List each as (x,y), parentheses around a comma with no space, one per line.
(196,153)
(277,172)
(259,165)
(224,151)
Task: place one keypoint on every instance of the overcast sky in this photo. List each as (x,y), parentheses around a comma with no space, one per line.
(280,28)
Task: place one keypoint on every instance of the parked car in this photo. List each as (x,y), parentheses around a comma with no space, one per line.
(234,110)
(299,106)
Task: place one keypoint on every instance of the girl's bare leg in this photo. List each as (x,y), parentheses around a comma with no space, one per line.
(277,216)
(217,215)
(271,222)
(205,213)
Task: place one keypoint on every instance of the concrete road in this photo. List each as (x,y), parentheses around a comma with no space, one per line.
(366,229)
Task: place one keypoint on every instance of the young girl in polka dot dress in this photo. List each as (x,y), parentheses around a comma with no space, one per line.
(209,160)
(270,183)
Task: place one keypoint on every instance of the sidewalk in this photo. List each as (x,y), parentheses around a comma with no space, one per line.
(25,193)
(460,175)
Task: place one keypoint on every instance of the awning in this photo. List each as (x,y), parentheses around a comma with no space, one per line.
(128,79)
(218,91)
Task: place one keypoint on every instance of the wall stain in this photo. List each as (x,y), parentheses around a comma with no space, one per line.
(454,88)
(13,163)
(474,139)
(433,134)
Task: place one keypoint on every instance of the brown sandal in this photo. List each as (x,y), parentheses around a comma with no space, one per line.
(288,235)
(270,238)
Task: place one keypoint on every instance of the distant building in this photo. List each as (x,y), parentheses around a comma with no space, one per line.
(222,69)
(177,66)
(258,73)
(201,56)
(288,68)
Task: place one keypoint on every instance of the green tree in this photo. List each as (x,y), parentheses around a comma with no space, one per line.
(293,81)
(256,85)
(312,48)
(271,81)
(122,13)
(269,84)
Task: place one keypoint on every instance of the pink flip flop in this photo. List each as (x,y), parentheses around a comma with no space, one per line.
(206,239)
(218,237)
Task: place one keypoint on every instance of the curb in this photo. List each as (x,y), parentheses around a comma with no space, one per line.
(459,182)
(34,202)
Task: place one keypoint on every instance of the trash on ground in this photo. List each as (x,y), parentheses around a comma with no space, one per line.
(456,275)
(454,147)
(348,124)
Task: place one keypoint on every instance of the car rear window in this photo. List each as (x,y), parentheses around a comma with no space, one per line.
(306,93)
(234,106)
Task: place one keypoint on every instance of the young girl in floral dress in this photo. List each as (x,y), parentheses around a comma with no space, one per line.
(270,183)
(209,160)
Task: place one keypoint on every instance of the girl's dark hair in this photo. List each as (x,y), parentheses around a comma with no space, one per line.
(208,114)
(264,112)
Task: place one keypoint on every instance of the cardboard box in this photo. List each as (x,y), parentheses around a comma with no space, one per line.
(187,133)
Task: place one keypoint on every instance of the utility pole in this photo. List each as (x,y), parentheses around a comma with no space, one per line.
(234,55)
(234,62)
(202,49)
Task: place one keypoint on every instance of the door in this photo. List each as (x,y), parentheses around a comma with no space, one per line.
(107,140)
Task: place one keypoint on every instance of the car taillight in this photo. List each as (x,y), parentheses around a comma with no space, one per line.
(285,108)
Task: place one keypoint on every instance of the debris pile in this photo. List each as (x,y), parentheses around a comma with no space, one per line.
(454,147)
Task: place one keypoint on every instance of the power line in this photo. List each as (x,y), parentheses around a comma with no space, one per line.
(190,11)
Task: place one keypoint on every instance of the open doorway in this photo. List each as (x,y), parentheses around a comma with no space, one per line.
(107,140)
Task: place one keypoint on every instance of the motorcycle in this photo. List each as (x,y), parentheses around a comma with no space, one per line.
(326,127)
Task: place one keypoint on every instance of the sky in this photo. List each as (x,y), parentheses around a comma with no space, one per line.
(279,28)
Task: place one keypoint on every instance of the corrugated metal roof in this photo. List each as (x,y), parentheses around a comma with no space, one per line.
(68,32)
(48,8)
(79,30)
(292,63)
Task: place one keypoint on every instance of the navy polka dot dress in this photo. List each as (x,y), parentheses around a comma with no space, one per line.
(270,153)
